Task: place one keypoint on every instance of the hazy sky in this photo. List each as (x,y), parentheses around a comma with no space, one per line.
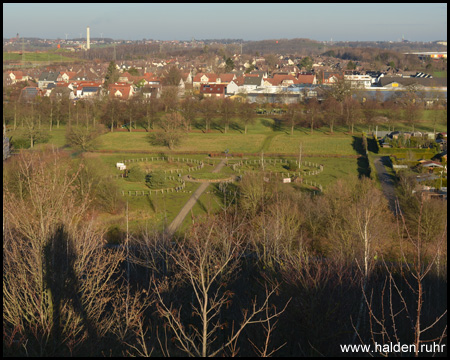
(248,21)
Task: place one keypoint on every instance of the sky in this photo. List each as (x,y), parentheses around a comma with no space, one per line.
(247,21)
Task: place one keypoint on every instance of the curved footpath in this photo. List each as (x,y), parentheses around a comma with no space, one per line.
(176,223)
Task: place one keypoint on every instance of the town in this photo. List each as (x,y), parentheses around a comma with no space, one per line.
(223,196)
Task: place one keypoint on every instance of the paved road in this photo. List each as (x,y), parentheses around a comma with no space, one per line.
(387,181)
(176,223)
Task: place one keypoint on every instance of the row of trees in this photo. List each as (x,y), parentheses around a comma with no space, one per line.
(342,106)
(277,271)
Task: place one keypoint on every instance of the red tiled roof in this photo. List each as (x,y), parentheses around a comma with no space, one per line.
(305,79)
(211,77)
(226,77)
(239,81)
(18,74)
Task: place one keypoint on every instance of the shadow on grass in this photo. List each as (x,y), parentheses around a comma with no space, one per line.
(235,126)
(372,145)
(363,165)
(276,125)
(202,206)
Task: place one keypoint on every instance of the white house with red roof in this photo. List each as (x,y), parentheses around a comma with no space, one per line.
(66,76)
(121,91)
(13,77)
(203,78)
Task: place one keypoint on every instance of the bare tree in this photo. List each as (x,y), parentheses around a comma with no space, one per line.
(415,267)
(227,111)
(313,110)
(173,128)
(84,138)
(58,277)
(189,110)
(293,115)
(247,114)
(206,262)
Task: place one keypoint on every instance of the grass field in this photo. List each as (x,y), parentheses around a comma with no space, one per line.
(51,55)
(158,210)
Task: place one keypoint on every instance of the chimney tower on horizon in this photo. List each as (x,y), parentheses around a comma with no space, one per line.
(88,43)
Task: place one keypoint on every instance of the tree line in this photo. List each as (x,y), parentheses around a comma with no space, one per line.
(174,116)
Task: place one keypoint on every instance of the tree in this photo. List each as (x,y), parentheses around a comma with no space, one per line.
(150,111)
(189,109)
(59,278)
(133,71)
(271,60)
(340,90)
(84,138)
(31,130)
(112,75)
(169,98)
(229,65)
(227,110)
(306,63)
(312,112)
(332,111)
(351,65)
(413,111)
(209,108)
(293,115)
(352,112)
(172,76)
(411,313)
(205,261)
(247,114)
(173,130)
(111,113)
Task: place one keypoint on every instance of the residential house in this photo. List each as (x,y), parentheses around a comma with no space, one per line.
(187,78)
(213,90)
(13,77)
(47,77)
(225,78)
(283,80)
(252,82)
(233,87)
(359,81)
(203,78)
(151,91)
(309,79)
(126,77)
(329,78)
(121,91)
(30,92)
(66,76)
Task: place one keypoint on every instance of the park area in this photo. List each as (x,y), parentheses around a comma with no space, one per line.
(271,151)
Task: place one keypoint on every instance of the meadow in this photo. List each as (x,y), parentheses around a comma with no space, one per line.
(337,152)
(42,56)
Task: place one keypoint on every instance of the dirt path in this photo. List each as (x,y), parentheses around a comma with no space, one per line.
(387,181)
(176,223)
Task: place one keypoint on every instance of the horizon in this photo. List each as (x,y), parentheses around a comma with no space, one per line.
(247,22)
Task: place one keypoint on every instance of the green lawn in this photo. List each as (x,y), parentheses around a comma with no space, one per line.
(315,144)
(213,142)
(52,55)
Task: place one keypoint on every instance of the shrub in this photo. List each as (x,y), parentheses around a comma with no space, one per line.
(135,174)
(291,165)
(155,180)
